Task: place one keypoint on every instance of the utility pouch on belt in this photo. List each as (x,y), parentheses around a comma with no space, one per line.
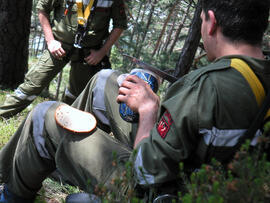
(74,120)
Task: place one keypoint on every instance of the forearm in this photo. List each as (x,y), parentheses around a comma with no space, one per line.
(113,37)
(147,120)
(46,27)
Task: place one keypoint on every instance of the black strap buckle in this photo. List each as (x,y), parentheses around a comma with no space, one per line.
(79,37)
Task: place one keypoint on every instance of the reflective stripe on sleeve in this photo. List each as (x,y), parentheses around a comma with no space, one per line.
(38,118)
(143,177)
(225,138)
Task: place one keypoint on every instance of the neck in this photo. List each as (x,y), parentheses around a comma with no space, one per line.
(226,47)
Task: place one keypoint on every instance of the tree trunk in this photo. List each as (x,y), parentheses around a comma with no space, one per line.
(135,23)
(181,25)
(191,44)
(139,30)
(153,6)
(15,18)
(164,27)
(169,35)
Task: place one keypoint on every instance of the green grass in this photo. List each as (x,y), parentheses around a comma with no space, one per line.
(9,126)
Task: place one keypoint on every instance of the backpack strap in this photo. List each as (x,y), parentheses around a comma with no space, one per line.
(263,103)
(83,14)
(82,19)
(252,80)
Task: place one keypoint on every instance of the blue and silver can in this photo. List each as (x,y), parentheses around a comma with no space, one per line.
(126,113)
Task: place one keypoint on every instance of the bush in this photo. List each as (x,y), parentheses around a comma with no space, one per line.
(246,180)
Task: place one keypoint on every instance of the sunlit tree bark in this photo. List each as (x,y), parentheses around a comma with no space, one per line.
(191,44)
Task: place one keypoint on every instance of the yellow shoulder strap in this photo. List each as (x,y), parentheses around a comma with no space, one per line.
(83,16)
(252,80)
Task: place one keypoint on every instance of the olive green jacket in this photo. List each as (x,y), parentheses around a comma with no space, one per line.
(202,116)
(65,26)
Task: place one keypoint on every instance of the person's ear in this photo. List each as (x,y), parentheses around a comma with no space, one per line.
(213,22)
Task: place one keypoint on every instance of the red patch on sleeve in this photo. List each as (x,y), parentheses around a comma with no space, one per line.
(164,124)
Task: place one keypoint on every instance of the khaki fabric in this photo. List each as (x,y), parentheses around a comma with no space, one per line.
(64,29)
(122,130)
(40,146)
(40,75)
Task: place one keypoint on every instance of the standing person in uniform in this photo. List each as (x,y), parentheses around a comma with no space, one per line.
(202,116)
(81,39)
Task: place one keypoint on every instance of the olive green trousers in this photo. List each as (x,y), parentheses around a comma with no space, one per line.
(40,76)
(40,145)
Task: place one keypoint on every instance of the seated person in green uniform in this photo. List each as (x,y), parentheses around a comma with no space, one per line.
(84,45)
(204,112)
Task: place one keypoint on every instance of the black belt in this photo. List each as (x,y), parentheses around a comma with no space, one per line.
(84,52)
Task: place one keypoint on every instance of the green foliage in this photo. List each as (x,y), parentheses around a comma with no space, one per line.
(117,60)
(246,180)
(121,186)
(146,21)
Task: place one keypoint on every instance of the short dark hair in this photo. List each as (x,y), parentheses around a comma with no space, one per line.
(240,20)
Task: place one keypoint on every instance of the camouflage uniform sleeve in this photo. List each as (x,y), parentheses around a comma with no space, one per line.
(118,14)
(173,139)
(47,5)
